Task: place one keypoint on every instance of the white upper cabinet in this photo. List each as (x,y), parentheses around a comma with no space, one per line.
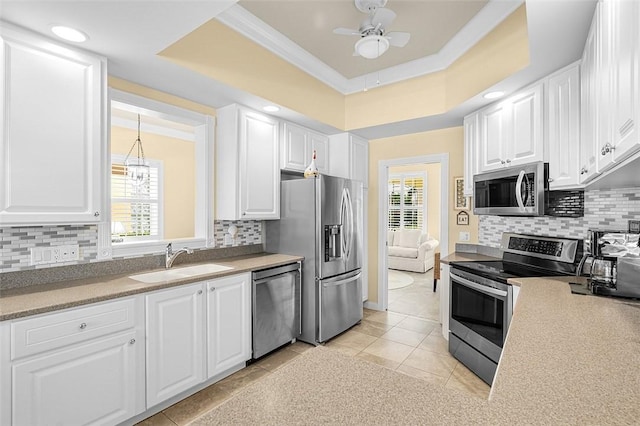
(625,54)
(526,127)
(52,121)
(511,131)
(471,139)
(589,84)
(298,144)
(349,157)
(247,165)
(563,127)
(610,87)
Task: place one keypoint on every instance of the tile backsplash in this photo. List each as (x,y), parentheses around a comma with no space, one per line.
(603,209)
(16,242)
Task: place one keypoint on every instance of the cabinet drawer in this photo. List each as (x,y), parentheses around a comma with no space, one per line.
(46,332)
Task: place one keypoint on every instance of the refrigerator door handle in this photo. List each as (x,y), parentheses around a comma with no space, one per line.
(342,281)
(346,217)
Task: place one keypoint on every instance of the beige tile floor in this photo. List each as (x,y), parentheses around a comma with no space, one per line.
(398,340)
(417,299)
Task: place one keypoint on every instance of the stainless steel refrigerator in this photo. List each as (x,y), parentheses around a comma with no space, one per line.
(322,219)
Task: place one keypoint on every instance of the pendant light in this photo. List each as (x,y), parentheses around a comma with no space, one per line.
(137,168)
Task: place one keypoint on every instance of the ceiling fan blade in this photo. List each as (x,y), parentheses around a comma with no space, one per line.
(345,31)
(383,16)
(398,38)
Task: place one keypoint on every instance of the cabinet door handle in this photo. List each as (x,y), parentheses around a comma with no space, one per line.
(508,161)
(550,179)
(132,341)
(83,326)
(607,148)
(502,161)
(583,170)
(96,214)
(212,289)
(199,291)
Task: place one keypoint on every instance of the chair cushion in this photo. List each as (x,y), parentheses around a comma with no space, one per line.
(390,235)
(408,252)
(408,237)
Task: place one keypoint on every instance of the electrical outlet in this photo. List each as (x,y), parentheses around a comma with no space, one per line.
(634,226)
(464,236)
(56,254)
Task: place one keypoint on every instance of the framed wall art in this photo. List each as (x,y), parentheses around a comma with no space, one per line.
(461,202)
(462,218)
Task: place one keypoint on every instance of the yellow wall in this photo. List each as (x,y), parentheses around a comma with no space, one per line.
(432,172)
(146,92)
(221,53)
(418,144)
(178,157)
(241,63)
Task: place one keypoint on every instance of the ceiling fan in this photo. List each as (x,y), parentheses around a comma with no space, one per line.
(374,38)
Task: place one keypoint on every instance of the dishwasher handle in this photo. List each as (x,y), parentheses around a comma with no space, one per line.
(265,274)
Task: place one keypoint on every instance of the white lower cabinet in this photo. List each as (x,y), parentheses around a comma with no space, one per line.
(74,367)
(92,383)
(445,286)
(175,341)
(228,323)
(89,365)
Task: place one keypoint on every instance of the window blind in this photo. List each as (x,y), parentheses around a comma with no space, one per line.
(135,208)
(407,202)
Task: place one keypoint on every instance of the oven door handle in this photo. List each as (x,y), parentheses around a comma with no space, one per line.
(481,288)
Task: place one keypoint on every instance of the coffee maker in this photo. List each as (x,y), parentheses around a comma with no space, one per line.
(615,268)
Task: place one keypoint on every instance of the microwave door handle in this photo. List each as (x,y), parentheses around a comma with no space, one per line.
(519,190)
(527,189)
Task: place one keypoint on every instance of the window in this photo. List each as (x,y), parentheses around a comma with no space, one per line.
(136,208)
(180,208)
(407,201)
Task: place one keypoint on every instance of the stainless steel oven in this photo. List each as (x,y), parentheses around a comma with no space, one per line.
(482,302)
(481,311)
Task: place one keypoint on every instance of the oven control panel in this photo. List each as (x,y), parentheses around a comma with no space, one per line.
(549,248)
(552,248)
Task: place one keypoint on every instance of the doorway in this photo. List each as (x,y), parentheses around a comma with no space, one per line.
(413,235)
(403,288)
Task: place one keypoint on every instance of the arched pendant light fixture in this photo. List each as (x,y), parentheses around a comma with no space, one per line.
(137,168)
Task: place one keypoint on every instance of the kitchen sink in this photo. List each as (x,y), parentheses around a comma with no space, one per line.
(177,273)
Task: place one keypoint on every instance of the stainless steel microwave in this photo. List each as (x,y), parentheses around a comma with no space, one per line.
(513,191)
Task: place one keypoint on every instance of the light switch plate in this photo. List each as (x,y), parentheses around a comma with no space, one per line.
(634,226)
(464,236)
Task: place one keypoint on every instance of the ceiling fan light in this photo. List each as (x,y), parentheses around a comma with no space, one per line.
(372,46)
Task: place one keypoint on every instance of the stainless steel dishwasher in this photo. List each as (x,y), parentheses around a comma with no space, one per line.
(275,308)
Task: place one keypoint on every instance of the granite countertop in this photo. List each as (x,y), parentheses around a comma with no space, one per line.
(467,257)
(568,359)
(32,300)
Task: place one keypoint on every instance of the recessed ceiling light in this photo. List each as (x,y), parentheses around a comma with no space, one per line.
(69,34)
(271,108)
(493,95)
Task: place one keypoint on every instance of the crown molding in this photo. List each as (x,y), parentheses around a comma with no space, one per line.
(245,23)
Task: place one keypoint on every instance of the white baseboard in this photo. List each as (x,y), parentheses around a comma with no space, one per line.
(373,305)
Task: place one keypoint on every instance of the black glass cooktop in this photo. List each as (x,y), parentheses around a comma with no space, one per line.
(501,271)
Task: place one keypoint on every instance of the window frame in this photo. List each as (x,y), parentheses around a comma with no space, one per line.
(204,156)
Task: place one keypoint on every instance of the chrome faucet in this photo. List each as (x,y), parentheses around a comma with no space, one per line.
(170,255)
